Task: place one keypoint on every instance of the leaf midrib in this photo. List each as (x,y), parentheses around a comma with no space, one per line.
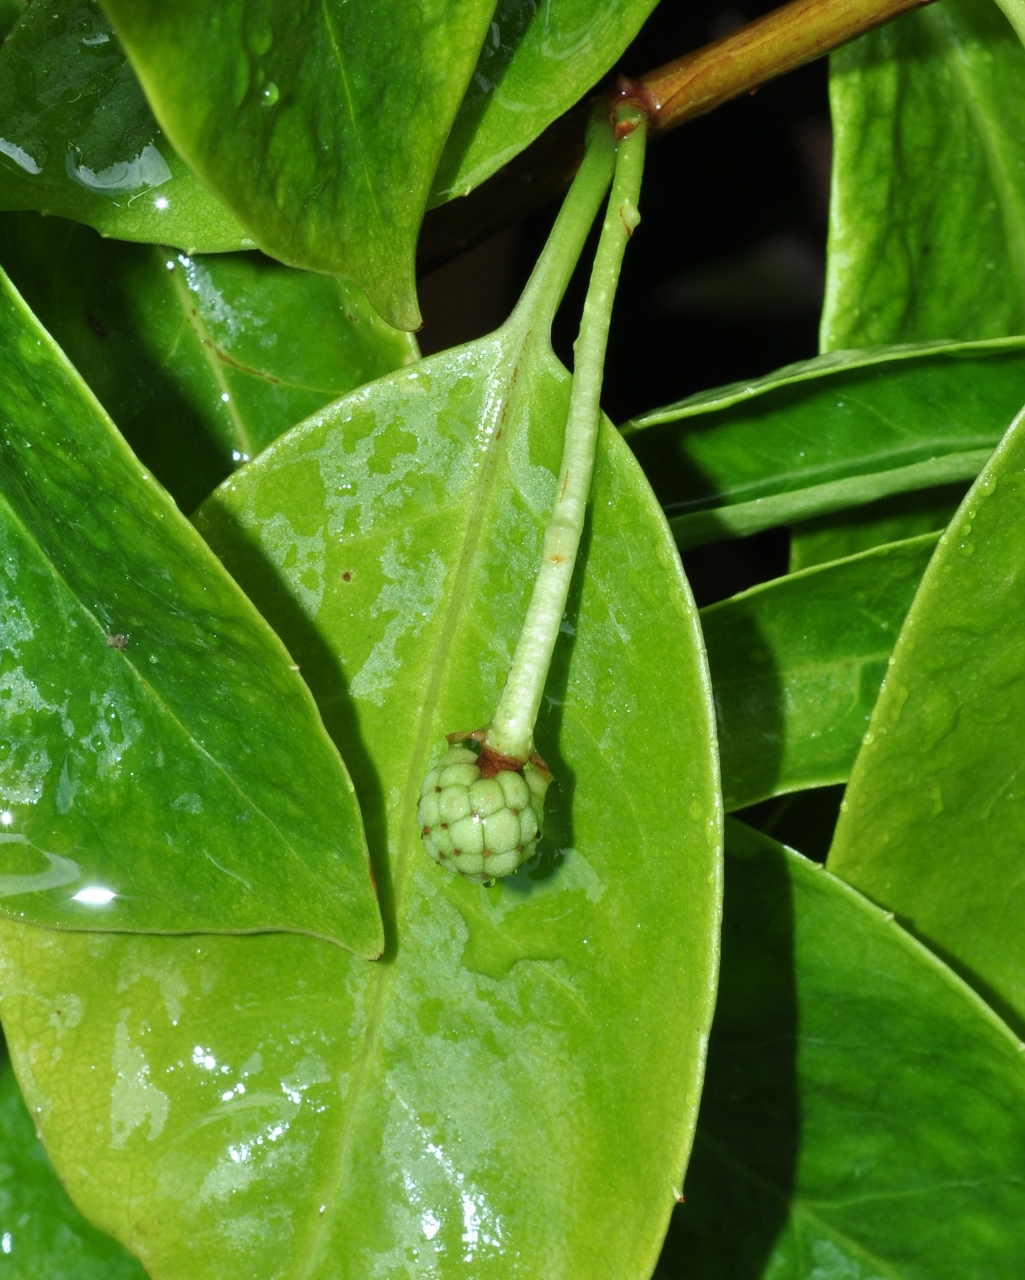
(350,107)
(809,476)
(386,971)
(820,369)
(152,693)
(208,349)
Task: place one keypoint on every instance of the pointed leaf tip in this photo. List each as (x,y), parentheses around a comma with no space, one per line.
(168,771)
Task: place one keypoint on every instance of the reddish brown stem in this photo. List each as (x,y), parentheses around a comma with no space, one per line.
(690,86)
(783,40)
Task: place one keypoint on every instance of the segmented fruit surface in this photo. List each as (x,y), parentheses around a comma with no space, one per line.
(482,828)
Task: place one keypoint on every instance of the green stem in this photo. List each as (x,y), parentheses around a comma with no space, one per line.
(511,732)
(540,299)
(687,87)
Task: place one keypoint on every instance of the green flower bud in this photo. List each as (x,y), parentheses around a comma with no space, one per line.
(480,814)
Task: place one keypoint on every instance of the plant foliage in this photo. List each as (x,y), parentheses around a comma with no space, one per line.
(257,1031)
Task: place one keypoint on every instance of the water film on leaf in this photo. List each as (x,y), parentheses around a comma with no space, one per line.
(78,139)
(511,1091)
(42,1234)
(165,768)
(335,109)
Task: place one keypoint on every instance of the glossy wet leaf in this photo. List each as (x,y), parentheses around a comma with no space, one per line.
(200,361)
(10,12)
(510,1092)
(864,1111)
(796,667)
(163,768)
(536,62)
(78,139)
(42,1234)
(932,825)
(927,212)
(828,434)
(336,110)
(848,533)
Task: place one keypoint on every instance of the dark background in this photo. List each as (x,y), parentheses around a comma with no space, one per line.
(723,280)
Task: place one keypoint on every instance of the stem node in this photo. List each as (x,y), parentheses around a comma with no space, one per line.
(629,93)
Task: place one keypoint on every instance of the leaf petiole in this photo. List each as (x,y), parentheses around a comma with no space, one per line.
(481,807)
(511,731)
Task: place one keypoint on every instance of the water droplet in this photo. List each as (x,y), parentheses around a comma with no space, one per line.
(19,155)
(260,40)
(966,529)
(967,549)
(94,895)
(270,94)
(147,169)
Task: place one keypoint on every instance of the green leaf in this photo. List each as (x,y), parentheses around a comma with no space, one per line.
(932,824)
(10,12)
(318,122)
(200,361)
(536,62)
(927,212)
(829,434)
(796,666)
(864,1111)
(44,1237)
(162,769)
(78,139)
(510,1093)
(891,520)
